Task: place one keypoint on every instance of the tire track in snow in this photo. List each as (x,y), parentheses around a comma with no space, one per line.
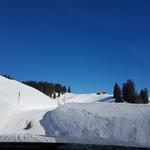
(25,138)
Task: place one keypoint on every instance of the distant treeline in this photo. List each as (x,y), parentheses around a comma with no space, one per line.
(129,94)
(7,76)
(50,89)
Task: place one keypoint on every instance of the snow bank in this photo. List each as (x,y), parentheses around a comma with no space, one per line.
(100,123)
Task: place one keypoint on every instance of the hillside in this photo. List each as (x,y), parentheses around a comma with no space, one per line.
(77,118)
(15,112)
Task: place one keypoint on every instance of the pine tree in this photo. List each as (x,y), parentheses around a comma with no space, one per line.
(124,92)
(47,88)
(7,76)
(54,95)
(117,93)
(69,90)
(131,91)
(144,96)
(128,90)
(64,89)
(58,94)
(137,99)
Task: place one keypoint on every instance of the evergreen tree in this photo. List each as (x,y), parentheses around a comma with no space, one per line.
(124,92)
(130,94)
(117,93)
(58,94)
(69,90)
(47,88)
(7,76)
(131,91)
(64,89)
(54,95)
(144,96)
(137,99)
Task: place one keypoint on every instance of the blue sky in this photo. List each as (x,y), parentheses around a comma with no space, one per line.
(87,44)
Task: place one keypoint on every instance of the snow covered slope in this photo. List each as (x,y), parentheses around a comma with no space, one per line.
(29,97)
(16,111)
(84,98)
(74,118)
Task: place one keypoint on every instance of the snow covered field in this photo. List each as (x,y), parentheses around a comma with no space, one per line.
(78,118)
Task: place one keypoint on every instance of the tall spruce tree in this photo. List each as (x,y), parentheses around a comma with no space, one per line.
(64,89)
(138,99)
(124,92)
(58,94)
(117,94)
(144,96)
(54,95)
(131,91)
(69,90)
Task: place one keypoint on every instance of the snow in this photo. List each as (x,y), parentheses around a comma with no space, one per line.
(30,98)
(84,98)
(26,138)
(71,118)
(31,107)
(102,123)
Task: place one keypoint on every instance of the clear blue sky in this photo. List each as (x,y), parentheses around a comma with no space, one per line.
(87,44)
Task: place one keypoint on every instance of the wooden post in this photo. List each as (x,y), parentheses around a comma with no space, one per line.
(19,97)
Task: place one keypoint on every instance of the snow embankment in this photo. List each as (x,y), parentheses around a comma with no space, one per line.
(100,123)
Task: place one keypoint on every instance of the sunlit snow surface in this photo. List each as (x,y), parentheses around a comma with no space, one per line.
(77,118)
(14,115)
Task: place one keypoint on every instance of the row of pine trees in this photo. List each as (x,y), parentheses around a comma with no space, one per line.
(129,94)
(50,89)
